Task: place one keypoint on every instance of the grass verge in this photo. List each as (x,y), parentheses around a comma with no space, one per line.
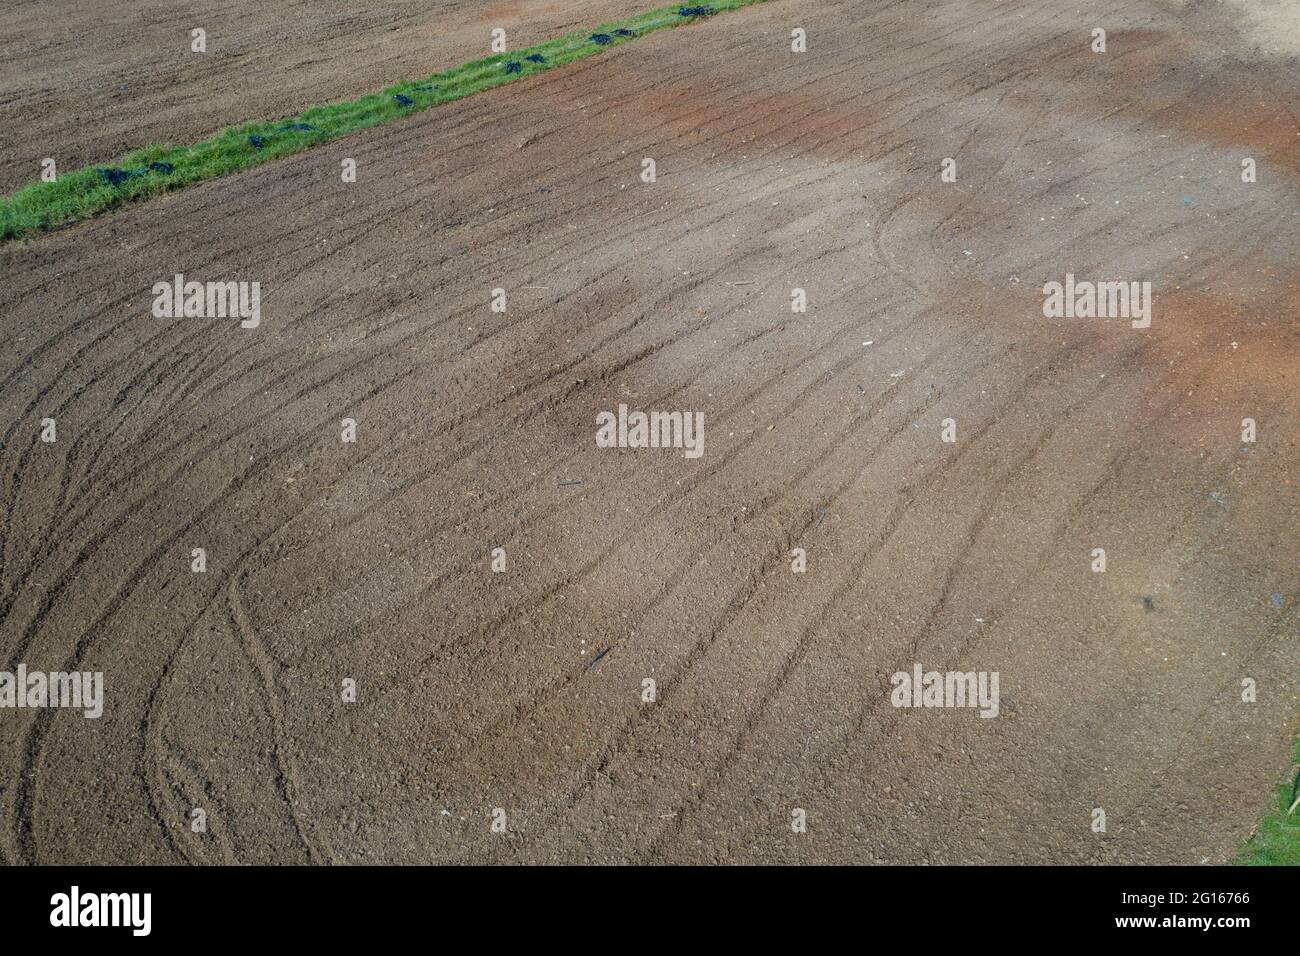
(1276,841)
(162,168)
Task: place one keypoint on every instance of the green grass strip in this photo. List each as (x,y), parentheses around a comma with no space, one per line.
(1277,840)
(131,178)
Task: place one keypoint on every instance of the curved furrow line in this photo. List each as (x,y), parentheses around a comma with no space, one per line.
(116,522)
(843,586)
(887,715)
(264,667)
(616,743)
(674,580)
(663,503)
(49,540)
(126,511)
(522,419)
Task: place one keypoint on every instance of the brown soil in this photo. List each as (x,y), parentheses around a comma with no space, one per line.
(86,82)
(522,690)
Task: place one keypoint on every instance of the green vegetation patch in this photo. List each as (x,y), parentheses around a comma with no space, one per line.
(160,168)
(1277,840)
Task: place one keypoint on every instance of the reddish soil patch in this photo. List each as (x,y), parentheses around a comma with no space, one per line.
(523,690)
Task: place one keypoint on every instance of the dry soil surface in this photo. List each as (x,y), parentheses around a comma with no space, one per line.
(523,690)
(84,82)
